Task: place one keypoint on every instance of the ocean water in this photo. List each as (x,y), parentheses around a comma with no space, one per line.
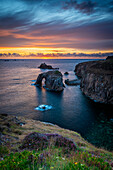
(70,109)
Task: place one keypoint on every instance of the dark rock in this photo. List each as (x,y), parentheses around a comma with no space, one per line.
(6,60)
(7,124)
(66,73)
(97,80)
(21,123)
(72,82)
(17,121)
(4,114)
(109,58)
(53,80)
(2,128)
(45,66)
(43,107)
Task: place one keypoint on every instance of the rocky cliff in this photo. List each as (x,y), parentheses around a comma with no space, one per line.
(53,80)
(97,79)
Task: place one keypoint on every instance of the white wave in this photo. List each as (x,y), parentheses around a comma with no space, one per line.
(43,107)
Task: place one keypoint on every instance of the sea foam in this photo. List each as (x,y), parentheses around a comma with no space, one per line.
(43,107)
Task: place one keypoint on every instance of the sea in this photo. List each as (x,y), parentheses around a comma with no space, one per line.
(70,109)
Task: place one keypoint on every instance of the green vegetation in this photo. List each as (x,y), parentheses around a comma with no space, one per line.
(46,147)
(53,158)
(3,150)
(57,72)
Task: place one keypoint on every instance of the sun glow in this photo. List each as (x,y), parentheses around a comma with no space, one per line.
(44,53)
(34,50)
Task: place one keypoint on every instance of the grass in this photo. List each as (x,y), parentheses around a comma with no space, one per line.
(57,72)
(3,150)
(53,158)
(56,153)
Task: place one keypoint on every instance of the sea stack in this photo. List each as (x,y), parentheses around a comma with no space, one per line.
(45,66)
(53,80)
(97,79)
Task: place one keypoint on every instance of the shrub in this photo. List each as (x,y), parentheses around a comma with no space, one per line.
(35,141)
(42,141)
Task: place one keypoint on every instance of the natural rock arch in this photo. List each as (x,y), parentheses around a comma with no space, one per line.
(53,80)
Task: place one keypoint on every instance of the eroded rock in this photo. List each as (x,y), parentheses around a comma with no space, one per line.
(66,73)
(45,66)
(97,80)
(53,80)
(72,82)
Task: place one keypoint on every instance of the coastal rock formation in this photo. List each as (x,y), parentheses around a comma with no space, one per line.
(53,80)
(45,66)
(97,79)
(66,73)
(109,58)
(72,82)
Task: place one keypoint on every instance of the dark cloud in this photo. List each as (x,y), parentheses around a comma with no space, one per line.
(110,7)
(10,22)
(59,54)
(95,31)
(31,1)
(85,6)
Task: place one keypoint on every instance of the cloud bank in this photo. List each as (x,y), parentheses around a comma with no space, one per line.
(74,24)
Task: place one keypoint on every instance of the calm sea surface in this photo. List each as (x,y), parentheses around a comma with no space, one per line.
(71,109)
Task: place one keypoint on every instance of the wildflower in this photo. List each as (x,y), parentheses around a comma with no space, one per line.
(51,167)
(63,158)
(75,163)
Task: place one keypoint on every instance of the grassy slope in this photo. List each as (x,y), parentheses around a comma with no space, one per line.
(86,156)
(100,67)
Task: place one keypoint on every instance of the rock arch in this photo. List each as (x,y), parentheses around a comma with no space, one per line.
(53,80)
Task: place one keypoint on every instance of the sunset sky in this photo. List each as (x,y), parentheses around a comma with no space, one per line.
(56,26)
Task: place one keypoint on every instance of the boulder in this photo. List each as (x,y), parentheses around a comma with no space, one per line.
(72,82)
(53,80)
(45,66)
(66,73)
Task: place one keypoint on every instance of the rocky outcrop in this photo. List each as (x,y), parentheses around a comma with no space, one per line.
(109,58)
(66,73)
(72,82)
(45,66)
(97,80)
(53,80)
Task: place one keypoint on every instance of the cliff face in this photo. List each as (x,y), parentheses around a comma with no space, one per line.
(97,80)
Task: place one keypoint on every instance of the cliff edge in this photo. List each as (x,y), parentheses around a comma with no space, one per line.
(30,144)
(97,79)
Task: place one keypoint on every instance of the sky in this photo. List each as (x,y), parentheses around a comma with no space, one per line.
(56,26)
